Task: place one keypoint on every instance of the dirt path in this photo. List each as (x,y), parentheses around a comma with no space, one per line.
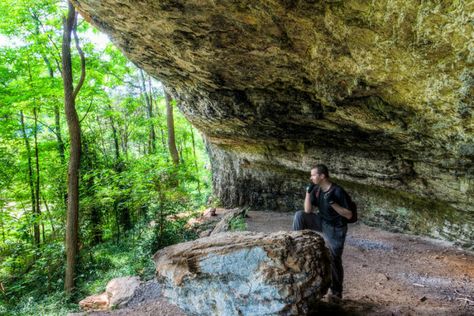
(394,274)
(385,274)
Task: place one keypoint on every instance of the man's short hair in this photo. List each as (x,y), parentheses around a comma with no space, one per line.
(322,169)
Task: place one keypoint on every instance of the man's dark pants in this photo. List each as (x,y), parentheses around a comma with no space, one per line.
(335,237)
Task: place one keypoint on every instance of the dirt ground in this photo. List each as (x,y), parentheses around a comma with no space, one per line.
(385,274)
(393,274)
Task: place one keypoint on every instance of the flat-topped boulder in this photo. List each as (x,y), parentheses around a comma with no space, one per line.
(245,273)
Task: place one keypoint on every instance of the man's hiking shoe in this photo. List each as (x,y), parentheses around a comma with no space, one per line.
(332,297)
(336,294)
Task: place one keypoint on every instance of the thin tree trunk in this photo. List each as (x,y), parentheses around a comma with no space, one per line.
(170,124)
(30,171)
(57,119)
(103,146)
(96,220)
(163,141)
(56,107)
(123,133)
(36,206)
(44,236)
(114,134)
(117,222)
(61,148)
(195,161)
(50,217)
(151,115)
(37,187)
(149,108)
(125,143)
(181,151)
(59,139)
(1,223)
(72,227)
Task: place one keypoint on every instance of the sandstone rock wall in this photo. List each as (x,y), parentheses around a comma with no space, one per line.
(380,91)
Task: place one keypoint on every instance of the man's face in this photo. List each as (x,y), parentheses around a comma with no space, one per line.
(315,176)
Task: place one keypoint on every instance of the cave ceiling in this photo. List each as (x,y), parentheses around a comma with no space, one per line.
(381,91)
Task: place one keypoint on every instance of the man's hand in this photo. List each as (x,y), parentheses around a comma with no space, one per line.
(310,187)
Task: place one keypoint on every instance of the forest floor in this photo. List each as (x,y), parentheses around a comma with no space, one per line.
(385,274)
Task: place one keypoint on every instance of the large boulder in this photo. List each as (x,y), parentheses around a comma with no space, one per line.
(246,273)
(118,293)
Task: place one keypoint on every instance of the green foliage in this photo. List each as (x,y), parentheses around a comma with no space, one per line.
(238,223)
(133,200)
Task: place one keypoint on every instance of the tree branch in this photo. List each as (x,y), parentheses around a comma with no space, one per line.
(130,83)
(44,124)
(83,60)
(87,112)
(56,59)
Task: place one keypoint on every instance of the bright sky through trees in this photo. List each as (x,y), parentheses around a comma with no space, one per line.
(127,175)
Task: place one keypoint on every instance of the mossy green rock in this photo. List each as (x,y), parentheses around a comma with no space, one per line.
(380,91)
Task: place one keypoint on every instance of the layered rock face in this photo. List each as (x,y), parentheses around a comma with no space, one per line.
(380,91)
(246,273)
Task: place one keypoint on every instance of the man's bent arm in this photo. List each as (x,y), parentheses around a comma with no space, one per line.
(344,212)
(308,207)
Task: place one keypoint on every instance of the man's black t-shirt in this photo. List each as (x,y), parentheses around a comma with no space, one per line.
(335,194)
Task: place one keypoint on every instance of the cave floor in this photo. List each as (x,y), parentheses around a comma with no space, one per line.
(385,274)
(393,274)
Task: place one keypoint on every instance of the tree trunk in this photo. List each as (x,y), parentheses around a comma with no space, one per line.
(1,224)
(163,141)
(103,147)
(96,220)
(170,124)
(195,161)
(95,216)
(72,227)
(48,212)
(124,140)
(59,140)
(37,186)
(57,132)
(114,134)
(149,107)
(57,126)
(151,116)
(30,173)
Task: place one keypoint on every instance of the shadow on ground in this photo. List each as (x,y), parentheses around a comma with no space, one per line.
(345,307)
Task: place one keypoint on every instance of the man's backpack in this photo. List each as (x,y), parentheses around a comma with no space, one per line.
(352,205)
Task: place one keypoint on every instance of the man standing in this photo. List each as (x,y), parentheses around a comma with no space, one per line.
(331,220)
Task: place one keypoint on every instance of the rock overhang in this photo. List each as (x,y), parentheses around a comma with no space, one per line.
(382,92)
